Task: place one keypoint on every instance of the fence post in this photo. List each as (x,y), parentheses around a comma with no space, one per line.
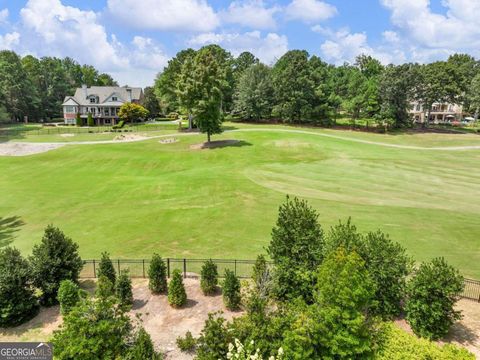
(235,261)
(118,266)
(168,268)
(143,265)
(94,270)
(184,268)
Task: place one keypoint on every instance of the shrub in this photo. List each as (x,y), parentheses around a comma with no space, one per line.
(431,296)
(231,290)
(157,275)
(296,249)
(90,121)
(177,296)
(93,330)
(124,288)
(142,348)
(120,125)
(261,276)
(209,277)
(78,120)
(105,268)
(68,296)
(55,259)
(213,341)
(397,344)
(187,343)
(248,352)
(338,324)
(17,301)
(105,288)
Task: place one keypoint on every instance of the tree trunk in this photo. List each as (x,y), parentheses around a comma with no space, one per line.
(208,137)
(190,121)
(475,116)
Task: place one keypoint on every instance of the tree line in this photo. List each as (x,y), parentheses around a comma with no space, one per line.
(37,87)
(300,88)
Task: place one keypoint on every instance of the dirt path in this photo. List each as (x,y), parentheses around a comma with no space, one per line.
(29,148)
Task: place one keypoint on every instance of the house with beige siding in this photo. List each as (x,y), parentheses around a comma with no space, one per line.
(440,113)
(103,102)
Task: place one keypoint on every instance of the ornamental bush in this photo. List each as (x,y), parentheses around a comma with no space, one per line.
(209,277)
(90,121)
(157,275)
(213,341)
(55,259)
(95,329)
(397,344)
(231,290)
(177,296)
(142,348)
(186,343)
(17,300)
(78,120)
(68,296)
(105,268)
(431,296)
(123,288)
(105,288)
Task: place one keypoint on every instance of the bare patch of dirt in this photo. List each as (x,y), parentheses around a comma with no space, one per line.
(214,144)
(465,332)
(165,324)
(40,328)
(24,149)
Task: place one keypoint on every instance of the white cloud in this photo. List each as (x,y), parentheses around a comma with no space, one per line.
(310,10)
(344,46)
(267,49)
(178,15)
(430,35)
(9,40)
(3,16)
(250,13)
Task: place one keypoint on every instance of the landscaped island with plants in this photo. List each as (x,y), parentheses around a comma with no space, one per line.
(324,295)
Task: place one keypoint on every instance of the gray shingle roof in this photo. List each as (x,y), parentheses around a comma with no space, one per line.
(104,93)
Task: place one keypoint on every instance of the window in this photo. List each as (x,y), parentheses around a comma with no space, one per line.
(107,112)
(108,121)
(93,100)
(69,109)
(114,98)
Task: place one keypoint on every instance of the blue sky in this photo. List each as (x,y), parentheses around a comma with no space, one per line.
(134,39)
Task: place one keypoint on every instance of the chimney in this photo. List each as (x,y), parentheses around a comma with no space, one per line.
(129,94)
(84,89)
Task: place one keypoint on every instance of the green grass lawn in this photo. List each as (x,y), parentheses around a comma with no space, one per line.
(138,198)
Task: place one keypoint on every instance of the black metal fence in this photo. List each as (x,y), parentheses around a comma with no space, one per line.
(471,290)
(191,268)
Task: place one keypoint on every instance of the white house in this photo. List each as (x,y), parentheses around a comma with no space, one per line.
(103,102)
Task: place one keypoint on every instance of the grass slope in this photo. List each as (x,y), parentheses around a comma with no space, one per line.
(136,198)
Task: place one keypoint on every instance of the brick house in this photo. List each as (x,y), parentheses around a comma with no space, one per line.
(103,102)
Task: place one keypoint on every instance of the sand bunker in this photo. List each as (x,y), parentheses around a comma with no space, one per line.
(24,149)
(129,137)
(67,135)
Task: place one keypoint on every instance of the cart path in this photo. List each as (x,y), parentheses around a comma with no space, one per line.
(7,147)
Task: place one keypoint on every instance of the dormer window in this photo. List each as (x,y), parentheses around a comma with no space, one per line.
(93,100)
(114,98)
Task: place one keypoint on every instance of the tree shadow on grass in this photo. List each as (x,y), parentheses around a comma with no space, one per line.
(218,144)
(8,227)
